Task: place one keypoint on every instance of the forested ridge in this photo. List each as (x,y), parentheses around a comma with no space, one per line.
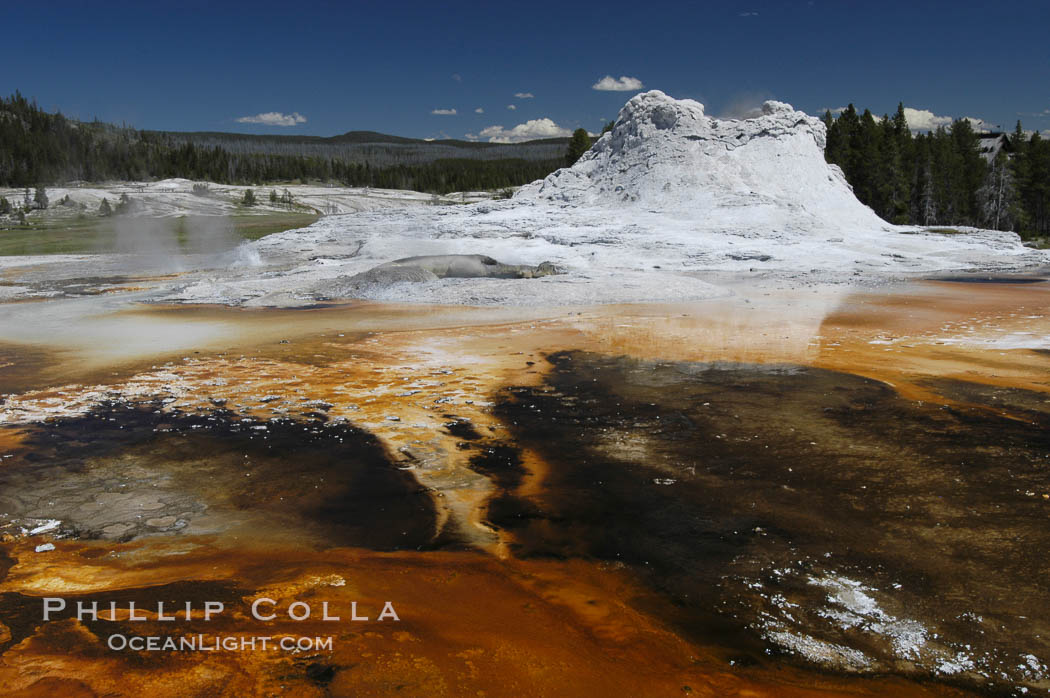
(938,178)
(40,148)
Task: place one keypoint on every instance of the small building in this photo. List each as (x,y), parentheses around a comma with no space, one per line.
(990,144)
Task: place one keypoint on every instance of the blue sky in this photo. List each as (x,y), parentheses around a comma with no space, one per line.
(389,66)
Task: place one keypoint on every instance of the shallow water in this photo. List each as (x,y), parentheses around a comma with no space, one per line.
(804,494)
(991,279)
(126,470)
(816,510)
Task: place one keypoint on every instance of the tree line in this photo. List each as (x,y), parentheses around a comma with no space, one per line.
(37,148)
(363,146)
(941,177)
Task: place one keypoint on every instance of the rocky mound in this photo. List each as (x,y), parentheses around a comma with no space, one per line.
(666,155)
(449,266)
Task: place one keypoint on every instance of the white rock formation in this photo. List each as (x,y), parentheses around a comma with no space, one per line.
(666,154)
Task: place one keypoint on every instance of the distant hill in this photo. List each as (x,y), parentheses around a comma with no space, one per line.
(377,149)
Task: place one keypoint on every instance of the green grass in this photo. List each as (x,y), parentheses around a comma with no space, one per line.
(78,235)
(255,227)
(69,236)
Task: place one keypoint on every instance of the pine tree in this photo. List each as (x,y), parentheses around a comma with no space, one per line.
(905,166)
(1035,191)
(104,209)
(249,198)
(1018,140)
(886,185)
(900,123)
(835,148)
(997,195)
(865,162)
(40,198)
(967,173)
(849,127)
(578,145)
(942,167)
(1019,175)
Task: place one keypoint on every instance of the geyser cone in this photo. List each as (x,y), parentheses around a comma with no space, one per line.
(665,153)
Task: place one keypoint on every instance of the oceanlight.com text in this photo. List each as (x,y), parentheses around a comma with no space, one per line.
(217,643)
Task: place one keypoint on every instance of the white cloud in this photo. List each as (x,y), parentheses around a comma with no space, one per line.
(457,77)
(528,131)
(611,84)
(524,95)
(479,110)
(924,119)
(748,14)
(274,118)
(444,112)
(511,107)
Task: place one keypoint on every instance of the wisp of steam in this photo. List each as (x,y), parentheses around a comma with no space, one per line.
(176,244)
